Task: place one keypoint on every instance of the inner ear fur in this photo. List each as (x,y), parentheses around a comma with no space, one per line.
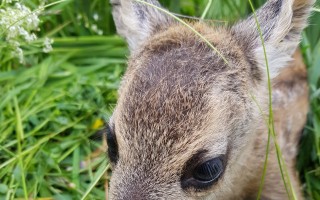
(281,23)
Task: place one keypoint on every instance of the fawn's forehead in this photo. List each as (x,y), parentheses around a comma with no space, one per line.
(168,89)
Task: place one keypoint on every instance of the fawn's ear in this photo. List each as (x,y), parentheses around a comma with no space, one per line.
(136,21)
(281,23)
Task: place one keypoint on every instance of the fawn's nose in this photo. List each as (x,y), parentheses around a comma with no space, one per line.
(143,183)
(129,192)
(130,186)
(130,195)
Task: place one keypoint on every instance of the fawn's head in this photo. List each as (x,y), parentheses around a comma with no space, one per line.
(186,112)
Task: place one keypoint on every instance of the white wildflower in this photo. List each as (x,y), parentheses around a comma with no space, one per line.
(31,37)
(18,53)
(100,32)
(47,45)
(95,16)
(17,24)
(94,27)
(72,185)
(79,17)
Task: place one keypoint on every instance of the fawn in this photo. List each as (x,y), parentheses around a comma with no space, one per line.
(188,123)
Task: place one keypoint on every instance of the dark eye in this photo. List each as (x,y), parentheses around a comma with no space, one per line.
(209,171)
(112,145)
(205,174)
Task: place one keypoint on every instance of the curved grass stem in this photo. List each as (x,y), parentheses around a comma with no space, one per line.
(205,12)
(271,130)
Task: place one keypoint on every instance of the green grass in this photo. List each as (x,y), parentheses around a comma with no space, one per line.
(52,105)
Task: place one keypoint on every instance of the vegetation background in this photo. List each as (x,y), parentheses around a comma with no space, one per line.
(52,105)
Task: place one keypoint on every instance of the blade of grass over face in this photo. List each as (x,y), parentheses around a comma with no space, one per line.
(271,130)
(270,122)
(264,173)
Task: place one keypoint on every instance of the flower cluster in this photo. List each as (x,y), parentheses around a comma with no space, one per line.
(17,26)
(19,21)
(47,45)
(93,27)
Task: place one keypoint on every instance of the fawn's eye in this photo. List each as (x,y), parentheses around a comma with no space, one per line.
(112,145)
(208,172)
(205,174)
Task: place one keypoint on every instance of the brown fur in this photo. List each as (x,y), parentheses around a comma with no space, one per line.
(181,104)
